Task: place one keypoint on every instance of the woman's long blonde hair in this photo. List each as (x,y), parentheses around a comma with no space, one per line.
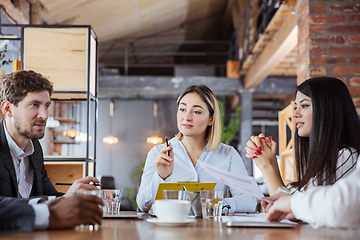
(213,132)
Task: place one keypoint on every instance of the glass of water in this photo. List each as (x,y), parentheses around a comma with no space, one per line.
(112,199)
(211,204)
(97,193)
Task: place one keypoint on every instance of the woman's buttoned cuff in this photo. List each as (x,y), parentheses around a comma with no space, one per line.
(231,202)
(156,181)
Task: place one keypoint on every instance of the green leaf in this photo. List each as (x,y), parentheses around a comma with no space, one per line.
(2,56)
(229,132)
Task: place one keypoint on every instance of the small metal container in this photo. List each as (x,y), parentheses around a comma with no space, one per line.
(195,204)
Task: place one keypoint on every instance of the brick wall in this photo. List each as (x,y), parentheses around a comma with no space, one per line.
(329,41)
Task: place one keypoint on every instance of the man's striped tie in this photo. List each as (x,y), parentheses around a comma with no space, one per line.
(26,179)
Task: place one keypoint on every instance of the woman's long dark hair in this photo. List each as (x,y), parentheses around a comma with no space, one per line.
(335,125)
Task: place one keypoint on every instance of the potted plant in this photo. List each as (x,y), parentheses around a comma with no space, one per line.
(229,131)
(3,62)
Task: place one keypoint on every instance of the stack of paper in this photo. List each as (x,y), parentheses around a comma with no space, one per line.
(244,183)
(255,220)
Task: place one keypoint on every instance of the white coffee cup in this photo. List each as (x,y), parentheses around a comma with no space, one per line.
(172,210)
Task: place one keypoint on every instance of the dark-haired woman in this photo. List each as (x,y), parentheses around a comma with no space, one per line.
(327,138)
(198,121)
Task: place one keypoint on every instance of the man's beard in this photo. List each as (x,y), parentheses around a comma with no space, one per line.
(29,133)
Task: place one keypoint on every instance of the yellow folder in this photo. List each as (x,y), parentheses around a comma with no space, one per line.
(190,186)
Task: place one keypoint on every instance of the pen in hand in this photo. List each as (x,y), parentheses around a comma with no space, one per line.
(167,144)
(69,184)
(268,201)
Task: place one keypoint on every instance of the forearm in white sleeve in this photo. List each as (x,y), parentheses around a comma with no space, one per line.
(241,203)
(149,182)
(146,196)
(333,206)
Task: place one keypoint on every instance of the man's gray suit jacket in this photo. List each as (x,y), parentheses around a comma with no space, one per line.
(16,215)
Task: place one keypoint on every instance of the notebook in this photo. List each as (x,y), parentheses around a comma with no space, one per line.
(255,220)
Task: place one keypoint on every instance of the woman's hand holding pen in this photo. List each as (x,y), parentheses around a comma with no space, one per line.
(267,202)
(164,164)
(280,209)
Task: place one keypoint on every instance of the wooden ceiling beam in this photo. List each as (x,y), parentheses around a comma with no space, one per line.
(147,87)
(15,12)
(283,42)
(47,17)
(35,12)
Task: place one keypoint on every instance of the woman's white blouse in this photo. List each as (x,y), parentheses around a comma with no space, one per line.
(225,157)
(346,163)
(337,205)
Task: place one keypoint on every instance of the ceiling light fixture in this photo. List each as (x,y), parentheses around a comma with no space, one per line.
(82,137)
(110,139)
(52,123)
(154,139)
(71,133)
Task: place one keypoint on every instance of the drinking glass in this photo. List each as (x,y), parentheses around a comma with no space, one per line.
(195,204)
(112,200)
(175,194)
(211,204)
(97,193)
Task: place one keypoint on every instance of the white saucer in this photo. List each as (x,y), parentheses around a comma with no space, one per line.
(170,224)
(126,214)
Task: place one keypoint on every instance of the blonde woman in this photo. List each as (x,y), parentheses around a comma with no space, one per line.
(198,121)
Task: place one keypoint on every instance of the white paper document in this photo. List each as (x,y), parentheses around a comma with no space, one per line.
(254,218)
(244,183)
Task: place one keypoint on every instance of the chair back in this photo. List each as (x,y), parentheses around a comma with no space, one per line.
(107,182)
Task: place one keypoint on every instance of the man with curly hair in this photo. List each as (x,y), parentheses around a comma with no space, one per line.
(25,101)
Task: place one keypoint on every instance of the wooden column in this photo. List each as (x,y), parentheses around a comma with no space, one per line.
(286,148)
(329,41)
(246,127)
